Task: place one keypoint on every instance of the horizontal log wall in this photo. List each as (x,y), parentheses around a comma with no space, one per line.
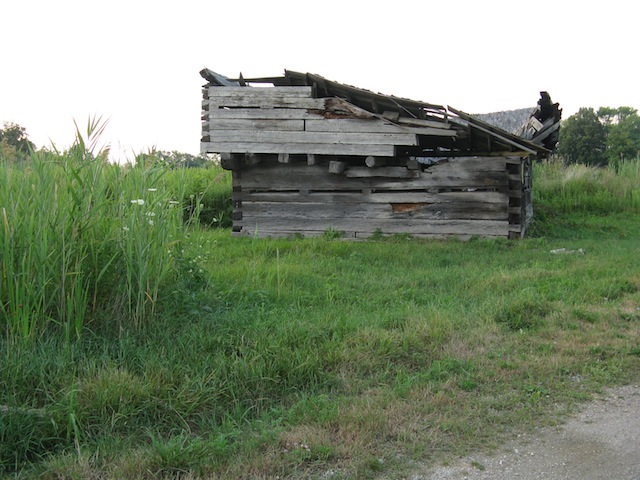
(289,120)
(460,197)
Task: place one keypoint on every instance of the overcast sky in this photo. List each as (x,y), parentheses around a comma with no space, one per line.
(137,62)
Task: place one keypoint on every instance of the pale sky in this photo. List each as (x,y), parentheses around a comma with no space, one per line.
(137,62)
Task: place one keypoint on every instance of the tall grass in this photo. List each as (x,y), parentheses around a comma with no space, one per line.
(581,188)
(288,358)
(80,237)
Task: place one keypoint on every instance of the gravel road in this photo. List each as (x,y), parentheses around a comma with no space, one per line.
(601,442)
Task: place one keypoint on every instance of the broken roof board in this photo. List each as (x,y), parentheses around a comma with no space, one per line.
(406,111)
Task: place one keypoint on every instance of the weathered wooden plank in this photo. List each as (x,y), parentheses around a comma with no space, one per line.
(298,148)
(347,235)
(485,199)
(287,177)
(400,225)
(254,124)
(284,158)
(337,167)
(373,125)
(295,92)
(457,164)
(269,102)
(262,113)
(388,172)
(373,211)
(278,137)
(423,123)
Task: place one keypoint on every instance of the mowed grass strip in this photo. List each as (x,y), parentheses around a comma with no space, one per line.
(297,358)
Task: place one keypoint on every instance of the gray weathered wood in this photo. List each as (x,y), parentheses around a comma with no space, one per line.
(313,137)
(298,148)
(336,167)
(373,211)
(388,172)
(336,105)
(252,125)
(285,177)
(245,92)
(262,113)
(417,122)
(373,162)
(269,102)
(312,159)
(284,158)
(489,200)
(400,225)
(373,125)
(413,164)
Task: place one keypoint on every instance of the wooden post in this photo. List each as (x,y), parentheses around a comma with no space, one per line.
(337,167)
(413,164)
(284,158)
(312,159)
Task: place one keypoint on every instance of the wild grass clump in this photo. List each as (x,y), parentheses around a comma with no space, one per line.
(206,194)
(580,188)
(81,237)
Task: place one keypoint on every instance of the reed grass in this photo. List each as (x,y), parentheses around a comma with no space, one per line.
(82,237)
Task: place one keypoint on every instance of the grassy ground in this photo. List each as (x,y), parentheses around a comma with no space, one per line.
(297,358)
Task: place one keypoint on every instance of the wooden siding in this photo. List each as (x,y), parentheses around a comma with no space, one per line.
(289,120)
(460,197)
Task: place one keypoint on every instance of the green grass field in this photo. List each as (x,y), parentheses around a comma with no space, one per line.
(291,358)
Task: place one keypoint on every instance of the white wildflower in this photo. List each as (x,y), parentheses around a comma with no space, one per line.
(125,228)
(150,222)
(139,201)
(152,189)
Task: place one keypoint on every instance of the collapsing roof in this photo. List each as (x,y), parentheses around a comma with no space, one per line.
(537,135)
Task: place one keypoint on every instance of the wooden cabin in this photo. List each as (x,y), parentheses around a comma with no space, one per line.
(309,155)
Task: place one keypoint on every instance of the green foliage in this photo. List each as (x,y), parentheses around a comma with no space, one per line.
(14,142)
(175,159)
(206,193)
(583,138)
(566,189)
(608,136)
(623,133)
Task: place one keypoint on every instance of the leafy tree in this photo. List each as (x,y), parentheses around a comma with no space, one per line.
(583,138)
(14,139)
(623,132)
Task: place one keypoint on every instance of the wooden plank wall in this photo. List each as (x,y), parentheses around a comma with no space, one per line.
(289,120)
(462,197)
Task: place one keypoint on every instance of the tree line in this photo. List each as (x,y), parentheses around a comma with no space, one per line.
(600,137)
